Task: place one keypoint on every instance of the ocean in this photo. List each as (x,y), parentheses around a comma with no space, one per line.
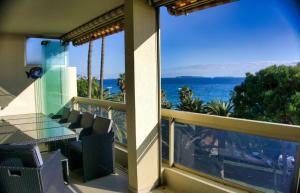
(214,88)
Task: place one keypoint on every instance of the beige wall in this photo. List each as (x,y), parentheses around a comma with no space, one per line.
(12,62)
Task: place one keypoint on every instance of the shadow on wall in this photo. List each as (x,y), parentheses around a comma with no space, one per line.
(23,102)
(5,98)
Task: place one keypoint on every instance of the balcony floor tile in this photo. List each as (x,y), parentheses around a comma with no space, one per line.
(110,184)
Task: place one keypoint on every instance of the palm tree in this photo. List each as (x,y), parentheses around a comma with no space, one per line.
(218,107)
(89,69)
(164,102)
(101,69)
(188,103)
(121,84)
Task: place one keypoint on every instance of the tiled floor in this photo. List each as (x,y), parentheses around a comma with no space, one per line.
(110,184)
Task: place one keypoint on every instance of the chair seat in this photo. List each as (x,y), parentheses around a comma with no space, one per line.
(75,146)
(64,162)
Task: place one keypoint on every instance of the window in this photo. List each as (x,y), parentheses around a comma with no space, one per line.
(34,54)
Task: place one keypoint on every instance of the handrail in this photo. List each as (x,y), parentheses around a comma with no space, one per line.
(245,126)
(102,103)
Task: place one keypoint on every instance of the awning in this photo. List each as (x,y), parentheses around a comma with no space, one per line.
(104,25)
(180,7)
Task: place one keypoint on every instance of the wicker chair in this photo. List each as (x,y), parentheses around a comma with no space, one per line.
(73,120)
(64,117)
(22,170)
(94,151)
(86,121)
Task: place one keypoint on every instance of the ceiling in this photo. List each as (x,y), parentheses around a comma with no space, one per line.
(50,18)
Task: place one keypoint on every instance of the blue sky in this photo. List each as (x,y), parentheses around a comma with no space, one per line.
(227,40)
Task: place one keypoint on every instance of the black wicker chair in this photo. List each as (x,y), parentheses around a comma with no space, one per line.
(94,151)
(86,121)
(22,170)
(64,117)
(73,120)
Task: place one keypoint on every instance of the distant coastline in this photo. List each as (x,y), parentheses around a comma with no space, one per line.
(207,77)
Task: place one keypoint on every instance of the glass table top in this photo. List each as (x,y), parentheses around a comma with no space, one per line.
(23,116)
(29,126)
(23,129)
(4,122)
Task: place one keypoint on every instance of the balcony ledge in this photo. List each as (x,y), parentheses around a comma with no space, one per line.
(185,182)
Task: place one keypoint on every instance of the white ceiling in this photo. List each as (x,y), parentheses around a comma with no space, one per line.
(50,18)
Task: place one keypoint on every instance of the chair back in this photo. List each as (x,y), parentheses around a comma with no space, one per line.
(66,113)
(20,156)
(102,125)
(87,120)
(74,117)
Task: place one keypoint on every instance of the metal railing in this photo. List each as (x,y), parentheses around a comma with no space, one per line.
(242,126)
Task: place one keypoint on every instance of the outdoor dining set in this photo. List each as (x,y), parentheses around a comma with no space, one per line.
(37,151)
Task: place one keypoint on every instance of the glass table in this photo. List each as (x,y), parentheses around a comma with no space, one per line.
(20,121)
(32,129)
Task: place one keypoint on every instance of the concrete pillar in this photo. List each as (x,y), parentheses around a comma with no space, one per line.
(142,95)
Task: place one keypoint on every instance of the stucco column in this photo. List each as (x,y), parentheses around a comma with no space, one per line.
(142,94)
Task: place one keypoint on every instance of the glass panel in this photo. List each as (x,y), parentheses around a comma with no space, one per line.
(262,163)
(120,129)
(165,138)
(99,111)
(55,92)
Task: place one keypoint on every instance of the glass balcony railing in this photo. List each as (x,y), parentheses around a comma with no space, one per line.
(261,163)
(251,155)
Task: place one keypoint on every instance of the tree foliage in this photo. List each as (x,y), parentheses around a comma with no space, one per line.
(272,94)
(164,102)
(82,88)
(121,82)
(218,107)
(188,103)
